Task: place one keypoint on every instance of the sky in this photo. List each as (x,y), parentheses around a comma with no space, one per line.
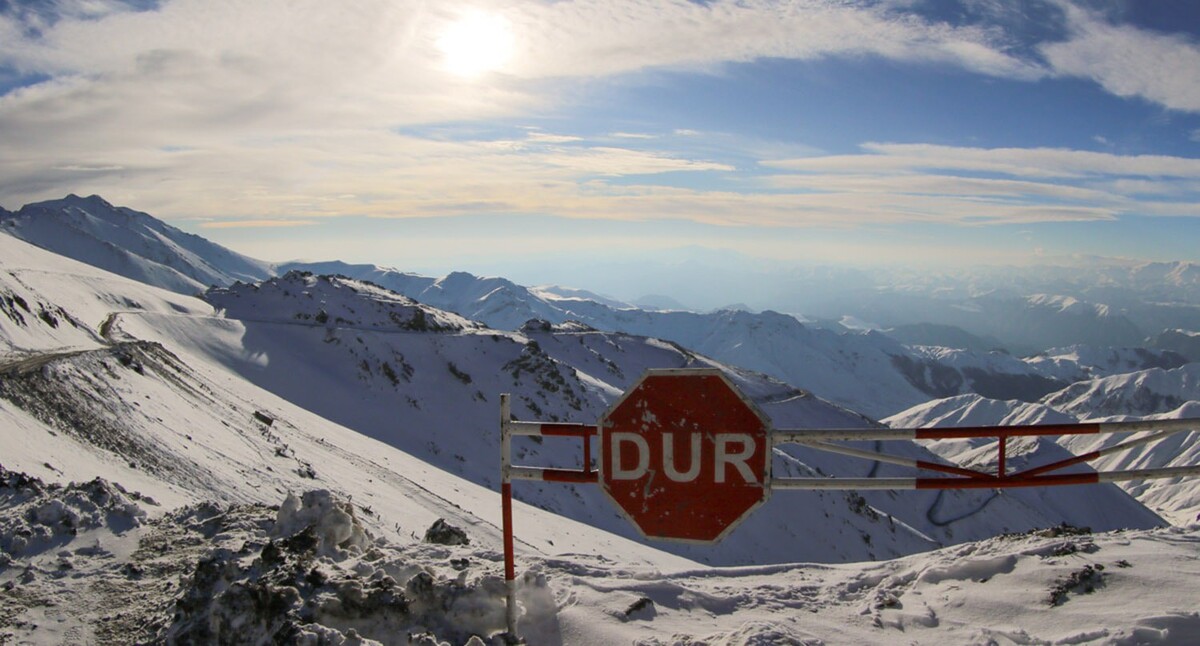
(517,137)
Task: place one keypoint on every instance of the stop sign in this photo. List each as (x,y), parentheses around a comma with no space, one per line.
(684,455)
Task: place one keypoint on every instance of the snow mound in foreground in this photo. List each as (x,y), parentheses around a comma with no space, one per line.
(316,576)
(306,572)
(37,517)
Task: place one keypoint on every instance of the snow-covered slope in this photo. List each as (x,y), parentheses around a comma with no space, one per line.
(130,243)
(431,389)
(975,410)
(304,298)
(1177,500)
(1141,393)
(52,303)
(990,374)
(1081,362)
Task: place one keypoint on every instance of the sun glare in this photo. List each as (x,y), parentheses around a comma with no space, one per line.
(476,44)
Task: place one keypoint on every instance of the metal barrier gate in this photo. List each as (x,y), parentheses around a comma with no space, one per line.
(704,409)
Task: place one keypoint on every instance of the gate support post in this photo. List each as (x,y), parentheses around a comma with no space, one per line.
(510,568)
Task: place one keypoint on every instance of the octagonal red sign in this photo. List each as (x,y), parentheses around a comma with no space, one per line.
(684,455)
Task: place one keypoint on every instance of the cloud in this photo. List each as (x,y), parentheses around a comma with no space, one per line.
(1128,61)
(255,224)
(282,112)
(994,185)
(548,138)
(1021,162)
(598,37)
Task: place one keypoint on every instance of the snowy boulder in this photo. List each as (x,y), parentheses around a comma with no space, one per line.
(443,533)
(333,523)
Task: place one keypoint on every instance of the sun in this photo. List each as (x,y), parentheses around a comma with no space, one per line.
(476,43)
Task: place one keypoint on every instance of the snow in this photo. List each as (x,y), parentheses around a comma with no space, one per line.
(254,574)
(1145,392)
(332,522)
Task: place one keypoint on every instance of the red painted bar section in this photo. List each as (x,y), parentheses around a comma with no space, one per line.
(1003,483)
(1001,468)
(510,567)
(1061,464)
(569,430)
(1005,431)
(959,471)
(570,475)
(587,455)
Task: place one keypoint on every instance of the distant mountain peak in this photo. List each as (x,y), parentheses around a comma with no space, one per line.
(130,243)
(304,298)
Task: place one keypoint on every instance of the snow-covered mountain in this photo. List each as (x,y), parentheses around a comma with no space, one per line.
(1182,342)
(862,370)
(402,386)
(430,390)
(1175,499)
(130,243)
(1026,309)
(1141,393)
(976,410)
(1023,321)
(191,535)
(194,465)
(497,302)
(1081,362)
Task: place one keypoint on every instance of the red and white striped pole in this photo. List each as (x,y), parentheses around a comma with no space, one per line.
(510,566)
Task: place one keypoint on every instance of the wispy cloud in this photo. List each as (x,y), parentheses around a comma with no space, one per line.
(1022,162)
(598,37)
(548,138)
(256,224)
(1129,62)
(966,185)
(279,110)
